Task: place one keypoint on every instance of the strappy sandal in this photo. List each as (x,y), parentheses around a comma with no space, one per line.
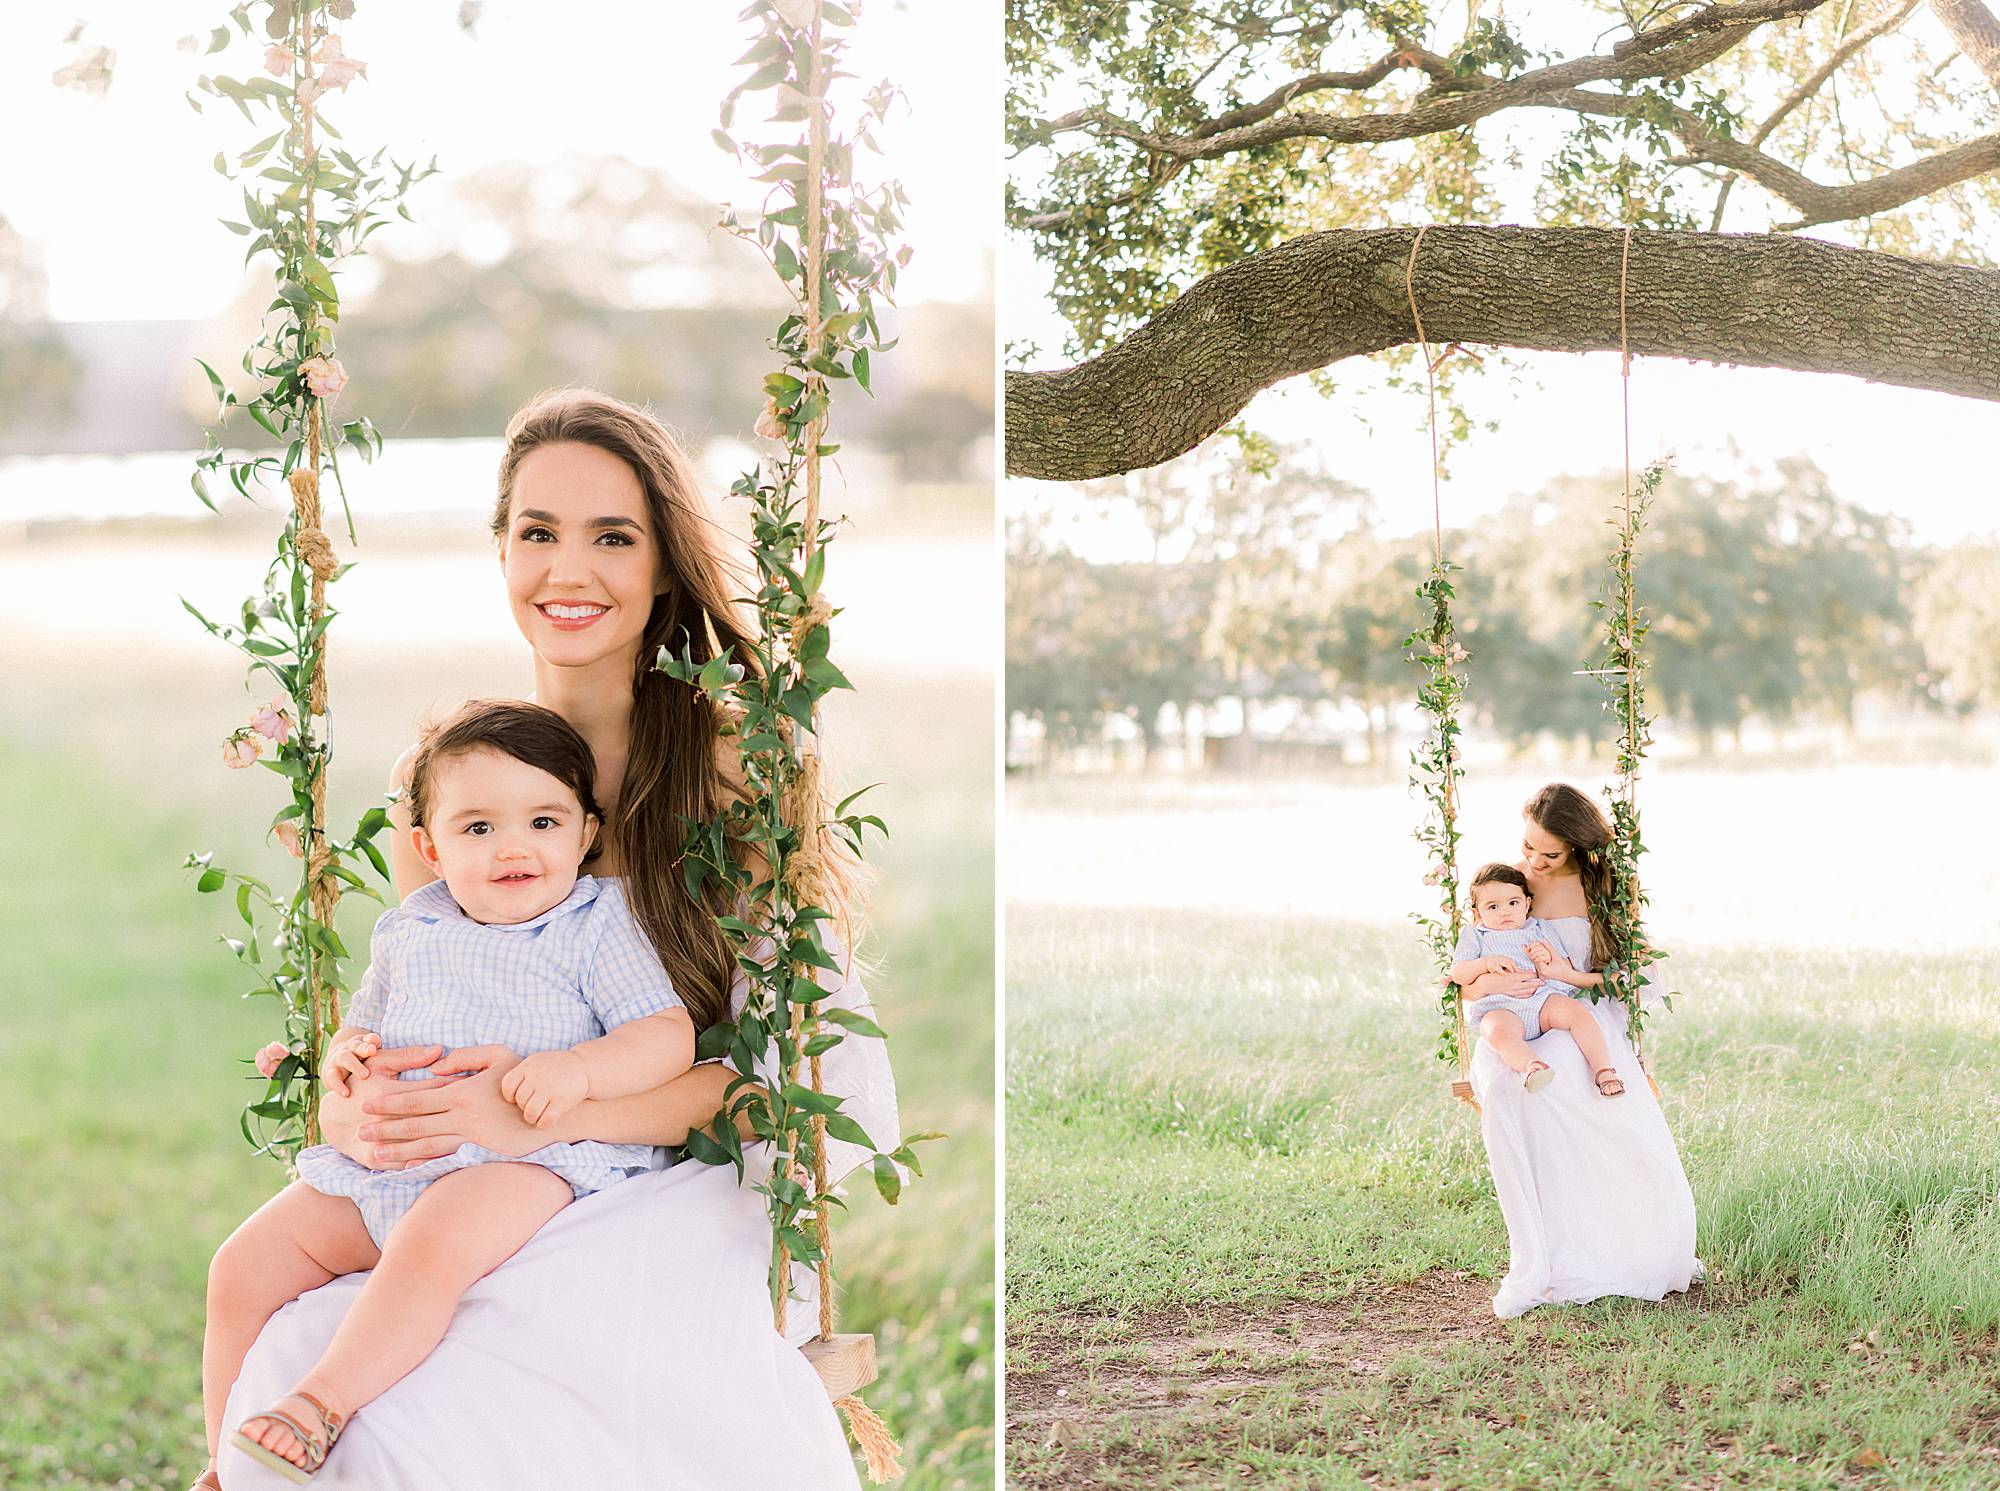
(315,1444)
(1611,1085)
(1538,1075)
(208,1480)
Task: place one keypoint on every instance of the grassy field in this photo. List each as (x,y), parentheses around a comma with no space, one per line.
(120,1037)
(1251,1240)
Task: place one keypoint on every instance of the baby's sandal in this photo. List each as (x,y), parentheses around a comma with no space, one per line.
(1538,1075)
(1608,1081)
(315,1443)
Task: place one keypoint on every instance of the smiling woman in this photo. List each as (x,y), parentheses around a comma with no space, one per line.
(608,559)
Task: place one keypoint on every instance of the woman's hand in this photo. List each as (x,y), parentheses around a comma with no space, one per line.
(411,1122)
(1516,985)
(340,1108)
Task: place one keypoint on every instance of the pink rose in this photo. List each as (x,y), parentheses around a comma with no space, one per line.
(309,90)
(279,61)
(324,376)
(287,834)
(240,751)
(270,1056)
(336,70)
(769,424)
(273,721)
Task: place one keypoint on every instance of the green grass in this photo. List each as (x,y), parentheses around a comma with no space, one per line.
(1218,1123)
(120,1034)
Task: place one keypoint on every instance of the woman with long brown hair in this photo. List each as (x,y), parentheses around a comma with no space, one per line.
(1594,1195)
(630,1343)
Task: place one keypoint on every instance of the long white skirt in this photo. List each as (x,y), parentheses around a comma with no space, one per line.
(1592,1188)
(627,1347)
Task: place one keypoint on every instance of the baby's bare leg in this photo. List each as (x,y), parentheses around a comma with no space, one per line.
(1560,1012)
(1505,1034)
(462,1228)
(296,1241)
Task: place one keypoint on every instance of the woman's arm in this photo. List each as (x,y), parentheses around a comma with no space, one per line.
(1501,983)
(410,1122)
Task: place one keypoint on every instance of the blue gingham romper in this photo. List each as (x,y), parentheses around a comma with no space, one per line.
(1475,941)
(438,978)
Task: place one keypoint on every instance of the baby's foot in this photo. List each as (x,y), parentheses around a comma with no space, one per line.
(269,1432)
(1608,1082)
(1538,1075)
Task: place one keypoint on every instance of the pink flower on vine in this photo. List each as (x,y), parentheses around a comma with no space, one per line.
(287,834)
(769,424)
(240,751)
(1436,875)
(336,70)
(1459,654)
(324,376)
(274,721)
(309,90)
(278,62)
(270,1056)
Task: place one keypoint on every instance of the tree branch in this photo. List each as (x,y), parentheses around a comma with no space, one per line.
(1762,300)
(1890,20)
(1975,30)
(1816,202)
(1668,51)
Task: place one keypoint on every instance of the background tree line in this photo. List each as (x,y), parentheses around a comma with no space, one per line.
(1771,600)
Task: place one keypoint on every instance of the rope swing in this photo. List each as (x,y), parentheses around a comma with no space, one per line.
(846,1364)
(831,244)
(1436,765)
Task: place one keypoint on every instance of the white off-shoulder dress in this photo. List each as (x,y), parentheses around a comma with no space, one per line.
(628,1347)
(1592,1189)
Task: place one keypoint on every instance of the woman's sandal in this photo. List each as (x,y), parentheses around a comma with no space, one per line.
(1538,1075)
(208,1480)
(1608,1081)
(315,1444)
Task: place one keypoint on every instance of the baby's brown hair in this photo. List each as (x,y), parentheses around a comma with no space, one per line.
(1497,873)
(529,733)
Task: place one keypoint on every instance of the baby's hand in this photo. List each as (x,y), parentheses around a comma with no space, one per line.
(350,1059)
(1540,953)
(1500,963)
(546,1086)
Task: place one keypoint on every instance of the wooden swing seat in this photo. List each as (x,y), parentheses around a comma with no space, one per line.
(846,1364)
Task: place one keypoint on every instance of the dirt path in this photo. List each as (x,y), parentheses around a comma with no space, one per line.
(1099,1402)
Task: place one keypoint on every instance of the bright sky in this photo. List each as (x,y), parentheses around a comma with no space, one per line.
(121,193)
(1925,456)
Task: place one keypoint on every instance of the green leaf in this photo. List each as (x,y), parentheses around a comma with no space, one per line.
(888,1180)
(840,1126)
(211,880)
(859,1024)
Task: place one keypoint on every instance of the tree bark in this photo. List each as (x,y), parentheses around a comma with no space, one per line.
(1762,300)
(1975,30)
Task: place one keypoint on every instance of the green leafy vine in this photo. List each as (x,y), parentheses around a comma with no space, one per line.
(830,240)
(1622,670)
(308,205)
(1435,772)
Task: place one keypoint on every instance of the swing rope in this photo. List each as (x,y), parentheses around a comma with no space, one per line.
(1462,1088)
(806,872)
(1442,628)
(312,545)
(1630,785)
